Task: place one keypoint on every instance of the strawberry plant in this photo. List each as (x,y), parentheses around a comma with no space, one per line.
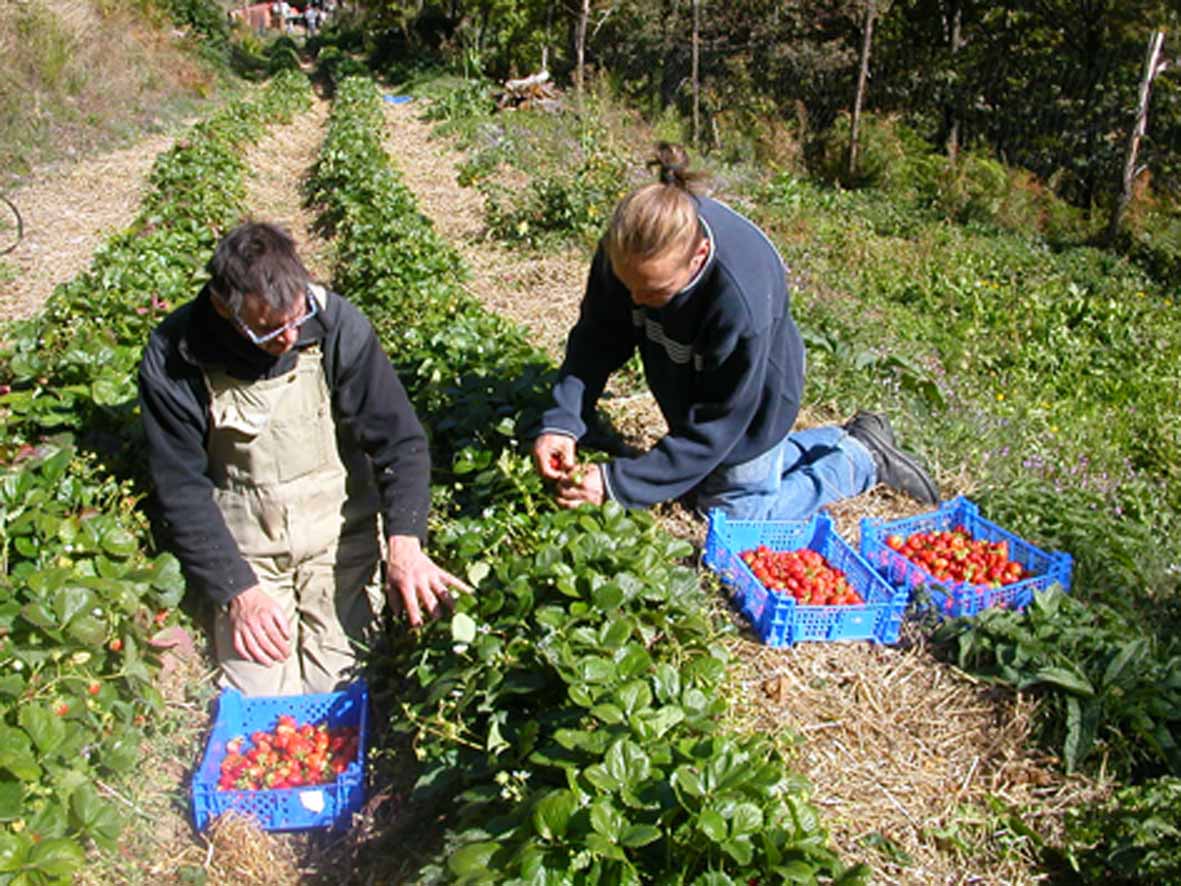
(81,596)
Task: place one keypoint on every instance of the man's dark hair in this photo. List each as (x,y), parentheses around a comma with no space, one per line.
(257,259)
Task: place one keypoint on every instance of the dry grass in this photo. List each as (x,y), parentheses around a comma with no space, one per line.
(540,293)
(74,81)
(78,75)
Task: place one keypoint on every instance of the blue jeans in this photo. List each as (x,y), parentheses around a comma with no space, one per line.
(792,480)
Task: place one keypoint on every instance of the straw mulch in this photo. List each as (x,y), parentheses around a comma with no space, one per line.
(278,165)
(68,212)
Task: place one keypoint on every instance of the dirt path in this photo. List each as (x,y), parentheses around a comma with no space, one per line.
(68,213)
(538,292)
(278,165)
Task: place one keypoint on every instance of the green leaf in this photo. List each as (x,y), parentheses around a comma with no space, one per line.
(168,578)
(667,682)
(640,835)
(635,662)
(57,857)
(607,597)
(552,814)
(746,818)
(600,778)
(121,753)
(35,613)
(107,391)
(473,859)
(601,846)
(12,798)
(87,630)
(463,628)
(45,728)
(740,850)
(1133,649)
(119,542)
(1070,680)
(796,872)
(634,696)
(477,572)
(16,754)
(661,721)
(593,669)
(616,632)
(608,713)
(12,851)
(628,763)
(607,820)
(70,601)
(712,825)
(688,781)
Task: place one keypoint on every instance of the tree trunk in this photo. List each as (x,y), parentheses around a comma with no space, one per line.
(580,50)
(955,41)
(1151,69)
(862,76)
(696,72)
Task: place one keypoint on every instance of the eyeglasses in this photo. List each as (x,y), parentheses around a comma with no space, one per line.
(309,312)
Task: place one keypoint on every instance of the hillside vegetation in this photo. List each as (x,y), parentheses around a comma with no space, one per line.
(78,76)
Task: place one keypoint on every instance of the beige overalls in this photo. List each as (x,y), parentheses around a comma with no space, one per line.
(305,523)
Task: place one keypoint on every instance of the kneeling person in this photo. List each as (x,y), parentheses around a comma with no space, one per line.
(701,293)
(277,432)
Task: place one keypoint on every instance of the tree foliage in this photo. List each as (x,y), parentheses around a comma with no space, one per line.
(1048,85)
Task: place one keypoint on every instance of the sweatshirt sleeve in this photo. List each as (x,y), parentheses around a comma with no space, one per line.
(175,424)
(370,398)
(600,342)
(727,396)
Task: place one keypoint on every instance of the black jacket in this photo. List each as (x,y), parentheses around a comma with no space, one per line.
(368,400)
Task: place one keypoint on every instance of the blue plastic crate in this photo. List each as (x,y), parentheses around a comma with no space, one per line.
(953,598)
(288,809)
(776,617)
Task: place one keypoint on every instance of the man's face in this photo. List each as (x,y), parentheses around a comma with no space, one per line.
(654,281)
(258,320)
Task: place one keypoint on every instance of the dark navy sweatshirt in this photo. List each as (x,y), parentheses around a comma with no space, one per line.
(723,358)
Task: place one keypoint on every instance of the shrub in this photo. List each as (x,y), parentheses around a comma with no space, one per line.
(1133,838)
(881,150)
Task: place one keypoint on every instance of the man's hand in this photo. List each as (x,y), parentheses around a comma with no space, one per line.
(415,583)
(553,455)
(259,627)
(582,485)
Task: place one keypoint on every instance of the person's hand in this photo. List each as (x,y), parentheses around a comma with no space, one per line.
(553,455)
(582,486)
(415,583)
(259,627)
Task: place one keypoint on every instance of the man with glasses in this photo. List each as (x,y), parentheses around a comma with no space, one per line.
(277,432)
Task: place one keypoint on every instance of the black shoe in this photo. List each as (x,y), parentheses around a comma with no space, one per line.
(895,468)
(873,423)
